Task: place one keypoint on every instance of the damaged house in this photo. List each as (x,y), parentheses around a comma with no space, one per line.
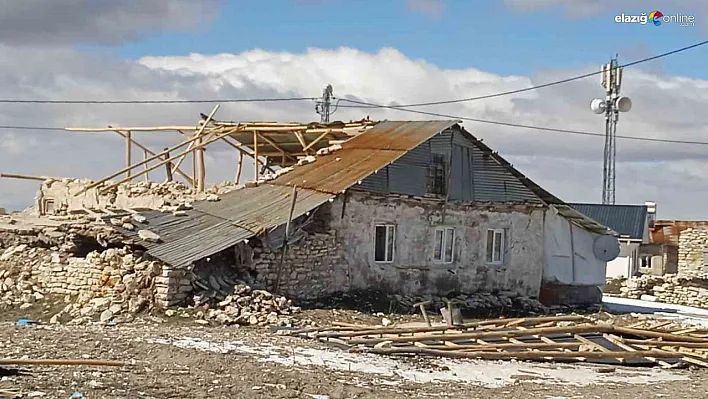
(409,208)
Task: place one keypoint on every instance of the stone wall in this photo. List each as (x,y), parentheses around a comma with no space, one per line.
(690,289)
(314,267)
(692,243)
(338,256)
(111,283)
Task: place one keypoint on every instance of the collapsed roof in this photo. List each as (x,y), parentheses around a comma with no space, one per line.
(211,227)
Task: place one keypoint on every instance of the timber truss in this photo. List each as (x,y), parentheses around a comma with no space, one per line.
(269,144)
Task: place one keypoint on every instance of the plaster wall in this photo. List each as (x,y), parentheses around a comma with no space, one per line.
(343,255)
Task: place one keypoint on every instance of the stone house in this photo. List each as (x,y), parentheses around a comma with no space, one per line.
(409,208)
(632,222)
(680,246)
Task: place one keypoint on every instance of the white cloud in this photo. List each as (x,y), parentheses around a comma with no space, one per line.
(569,166)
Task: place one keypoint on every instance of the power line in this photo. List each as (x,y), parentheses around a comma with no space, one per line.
(558,82)
(487,121)
(541,128)
(234,100)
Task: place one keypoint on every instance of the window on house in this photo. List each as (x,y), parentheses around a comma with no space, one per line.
(384,236)
(495,246)
(444,245)
(646,262)
(705,260)
(437,175)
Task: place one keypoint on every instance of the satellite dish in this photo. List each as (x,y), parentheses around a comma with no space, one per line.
(606,248)
(598,106)
(623,104)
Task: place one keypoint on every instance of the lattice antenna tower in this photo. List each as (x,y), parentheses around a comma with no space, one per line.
(610,106)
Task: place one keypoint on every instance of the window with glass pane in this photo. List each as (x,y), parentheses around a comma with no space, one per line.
(495,246)
(384,236)
(444,245)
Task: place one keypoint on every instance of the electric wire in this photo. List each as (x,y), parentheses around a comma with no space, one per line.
(461,118)
(558,82)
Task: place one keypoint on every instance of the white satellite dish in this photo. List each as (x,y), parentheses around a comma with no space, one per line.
(598,106)
(623,104)
(606,248)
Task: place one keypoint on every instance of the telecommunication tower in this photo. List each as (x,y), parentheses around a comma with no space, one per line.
(322,107)
(610,106)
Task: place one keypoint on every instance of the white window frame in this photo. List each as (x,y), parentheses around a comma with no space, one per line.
(502,249)
(446,232)
(390,234)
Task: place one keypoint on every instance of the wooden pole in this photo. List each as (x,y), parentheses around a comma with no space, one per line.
(522,355)
(120,172)
(487,334)
(145,155)
(128,152)
(239,168)
(199,133)
(255,154)
(376,330)
(25,177)
(147,151)
(200,164)
(194,170)
(168,166)
(211,140)
(285,238)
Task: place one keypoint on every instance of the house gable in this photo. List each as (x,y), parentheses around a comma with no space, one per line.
(474,174)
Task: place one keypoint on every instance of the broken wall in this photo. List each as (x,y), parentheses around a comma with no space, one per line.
(68,195)
(340,256)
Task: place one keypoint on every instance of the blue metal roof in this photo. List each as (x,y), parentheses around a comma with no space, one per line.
(627,220)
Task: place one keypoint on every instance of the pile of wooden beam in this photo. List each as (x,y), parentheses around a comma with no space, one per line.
(556,338)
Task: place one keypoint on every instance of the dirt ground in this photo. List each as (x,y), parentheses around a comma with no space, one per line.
(184,360)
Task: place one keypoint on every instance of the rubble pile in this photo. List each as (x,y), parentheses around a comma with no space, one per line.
(219,294)
(71,196)
(70,234)
(689,289)
(478,303)
(228,302)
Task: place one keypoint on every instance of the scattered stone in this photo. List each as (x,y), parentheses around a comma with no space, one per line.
(148,235)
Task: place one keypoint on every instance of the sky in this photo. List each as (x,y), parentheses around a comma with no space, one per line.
(384,52)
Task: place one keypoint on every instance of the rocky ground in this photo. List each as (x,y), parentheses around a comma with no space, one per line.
(170,358)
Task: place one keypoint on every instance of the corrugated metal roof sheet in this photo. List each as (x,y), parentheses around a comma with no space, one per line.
(186,238)
(627,220)
(362,155)
(259,208)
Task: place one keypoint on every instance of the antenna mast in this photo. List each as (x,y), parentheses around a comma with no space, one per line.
(611,106)
(322,106)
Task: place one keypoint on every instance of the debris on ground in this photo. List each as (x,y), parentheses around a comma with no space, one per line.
(568,338)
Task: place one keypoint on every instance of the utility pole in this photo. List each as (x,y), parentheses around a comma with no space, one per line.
(610,106)
(322,107)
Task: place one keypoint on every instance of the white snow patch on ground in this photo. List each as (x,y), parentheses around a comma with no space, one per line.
(687,315)
(490,374)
